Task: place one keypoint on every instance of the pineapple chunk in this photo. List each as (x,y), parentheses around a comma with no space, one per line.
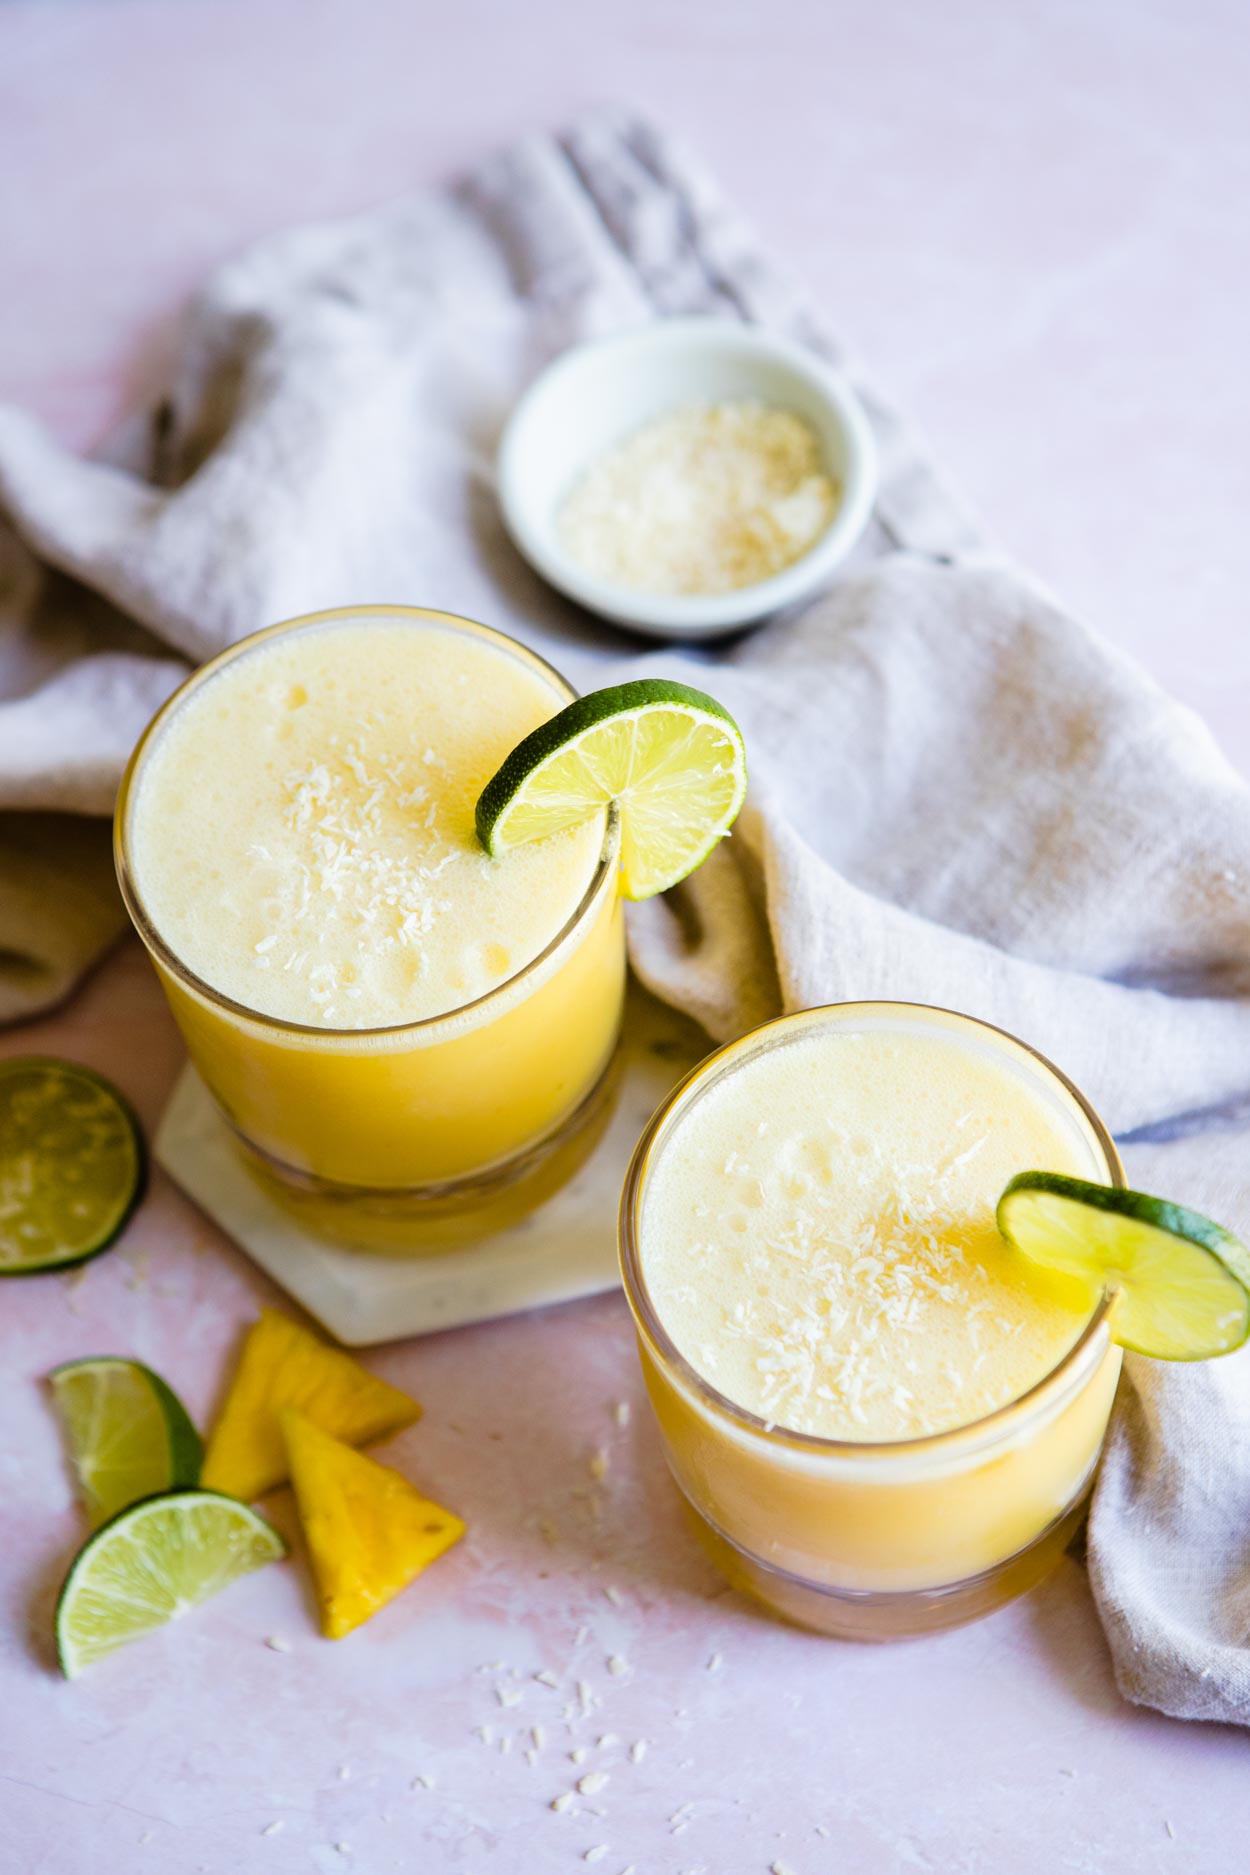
(283,1365)
(369,1532)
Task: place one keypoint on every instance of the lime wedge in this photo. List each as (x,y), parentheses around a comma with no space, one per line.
(71,1164)
(1181,1284)
(129,1435)
(150,1564)
(670,757)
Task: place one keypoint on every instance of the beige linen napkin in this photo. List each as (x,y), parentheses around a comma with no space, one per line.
(959,794)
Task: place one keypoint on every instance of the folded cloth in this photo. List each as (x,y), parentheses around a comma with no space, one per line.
(960,795)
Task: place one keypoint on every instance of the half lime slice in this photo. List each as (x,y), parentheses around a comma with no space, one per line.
(150,1564)
(71,1164)
(1180,1283)
(129,1434)
(669,756)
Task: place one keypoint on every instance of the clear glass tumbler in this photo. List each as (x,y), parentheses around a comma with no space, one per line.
(412,1137)
(876,1540)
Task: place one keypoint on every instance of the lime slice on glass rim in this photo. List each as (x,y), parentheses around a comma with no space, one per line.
(151,1563)
(129,1434)
(669,756)
(72,1164)
(1180,1283)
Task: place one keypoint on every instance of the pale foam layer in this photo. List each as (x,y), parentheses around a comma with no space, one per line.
(818,1235)
(302,830)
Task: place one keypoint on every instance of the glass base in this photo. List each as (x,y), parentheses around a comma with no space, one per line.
(432,1220)
(872,1615)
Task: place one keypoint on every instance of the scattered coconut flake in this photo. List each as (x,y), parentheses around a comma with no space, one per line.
(508,1695)
(613,1594)
(485,1732)
(345,1771)
(715,1663)
(563,1802)
(278,1645)
(623,1411)
(1168,1827)
(539,1736)
(617,1665)
(531,1756)
(608,1740)
(597,1853)
(638,1750)
(271,1829)
(599,1465)
(546,1679)
(579,1755)
(585,1698)
(592,1782)
(780,1868)
(581,1637)
(422,1781)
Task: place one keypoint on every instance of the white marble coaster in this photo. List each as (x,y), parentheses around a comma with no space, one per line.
(565,1249)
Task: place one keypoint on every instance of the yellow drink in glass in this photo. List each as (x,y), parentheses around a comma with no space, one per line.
(406,1035)
(883,1420)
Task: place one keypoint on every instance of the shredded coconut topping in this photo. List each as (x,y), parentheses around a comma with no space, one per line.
(705,499)
(345,867)
(303,827)
(851,1279)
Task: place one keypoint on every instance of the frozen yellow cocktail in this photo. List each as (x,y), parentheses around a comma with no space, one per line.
(883,1418)
(397,1026)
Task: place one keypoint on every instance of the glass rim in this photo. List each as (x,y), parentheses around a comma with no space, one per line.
(162,951)
(647,1320)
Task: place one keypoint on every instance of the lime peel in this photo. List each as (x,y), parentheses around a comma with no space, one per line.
(671,758)
(1180,1283)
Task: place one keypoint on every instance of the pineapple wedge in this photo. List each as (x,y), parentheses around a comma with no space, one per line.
(283,1365)
(369,1532)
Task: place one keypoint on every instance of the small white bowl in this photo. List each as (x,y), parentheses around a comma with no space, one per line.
(596,394)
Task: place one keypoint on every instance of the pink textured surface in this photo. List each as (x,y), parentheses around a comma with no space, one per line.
(1032,226)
